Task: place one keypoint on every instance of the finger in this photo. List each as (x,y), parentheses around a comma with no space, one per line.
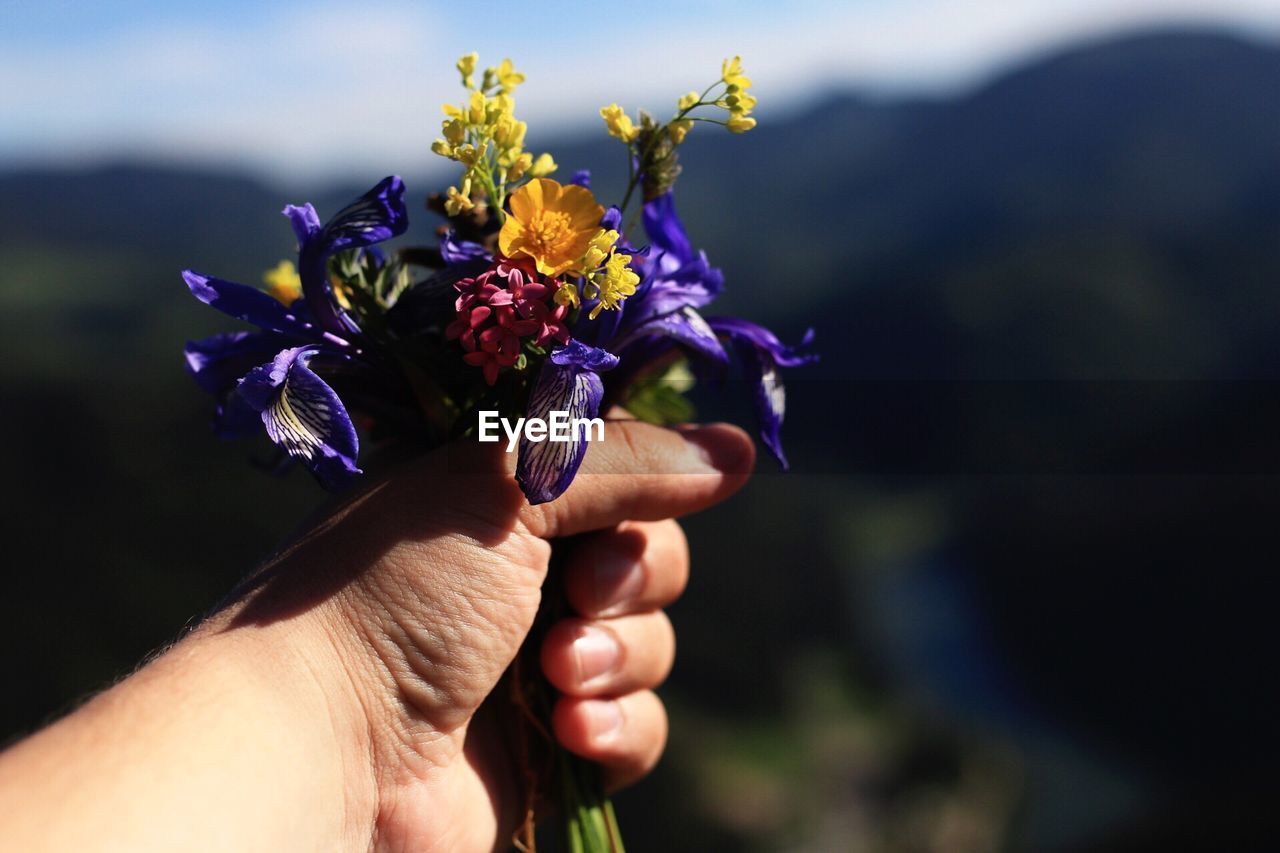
(609,657)
(640,566)
(646,473)
(626,735)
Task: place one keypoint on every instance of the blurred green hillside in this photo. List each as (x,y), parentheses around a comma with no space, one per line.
(968,620)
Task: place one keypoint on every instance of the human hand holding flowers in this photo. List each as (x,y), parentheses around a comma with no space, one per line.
(538,302)
(348,696)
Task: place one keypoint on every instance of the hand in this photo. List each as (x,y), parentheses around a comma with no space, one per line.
(441,593)
(354,677)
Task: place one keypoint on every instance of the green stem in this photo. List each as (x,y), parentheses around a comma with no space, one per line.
(635,174)
(587,816)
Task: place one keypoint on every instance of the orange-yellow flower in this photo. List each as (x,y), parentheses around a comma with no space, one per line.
(283,282)
(550,223)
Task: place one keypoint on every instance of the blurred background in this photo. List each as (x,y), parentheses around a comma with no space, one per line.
(1015,593)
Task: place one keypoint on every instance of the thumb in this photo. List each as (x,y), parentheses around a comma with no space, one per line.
(440,566)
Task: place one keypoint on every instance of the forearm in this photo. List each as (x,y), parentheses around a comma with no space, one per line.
(232,740)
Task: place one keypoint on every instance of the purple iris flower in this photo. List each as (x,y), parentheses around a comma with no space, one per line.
(376,216)
(569,381)
(761,354)
(661,316)
(267,375)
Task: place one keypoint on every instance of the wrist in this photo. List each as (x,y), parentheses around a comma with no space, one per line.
(305,678)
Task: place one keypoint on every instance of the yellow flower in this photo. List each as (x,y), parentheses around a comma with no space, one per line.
(283,283)
(543,166)
(468,155)
(503,106)
(341,292)
(520,166)
(740,103)
(509,133)
(454,131)
(466,67)
(740,124)
(680,129)
(731,73)
(475,109)
(598,250)
(459,201)
(688,101)
(507,76)
(616,284)
(619,123)
(567,295)
(550,223)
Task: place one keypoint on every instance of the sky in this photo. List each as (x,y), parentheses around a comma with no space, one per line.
(295,91)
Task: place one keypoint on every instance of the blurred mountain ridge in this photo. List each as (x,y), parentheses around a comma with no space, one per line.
(1089,189)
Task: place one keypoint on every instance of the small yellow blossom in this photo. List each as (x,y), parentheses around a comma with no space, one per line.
(740,103)
(454,131)
(616,283)
(507,77)
(680,129)
(619,123)
(731,73)
(501,106)
(283,283)
(476,109)
(598,250)
(341,292)
(444,149)
(550,223)
(567,295)
(543,166)
(466,67)
(519,166)
(452,111)
(509,133)
(689,101)
(459,201)
(740,124)
(468,155)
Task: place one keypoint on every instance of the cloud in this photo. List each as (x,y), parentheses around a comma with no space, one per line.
(303,91)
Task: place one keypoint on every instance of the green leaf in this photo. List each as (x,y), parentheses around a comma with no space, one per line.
(660,399)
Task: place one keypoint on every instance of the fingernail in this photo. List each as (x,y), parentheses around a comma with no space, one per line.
(596,654)
(604,718)
(617,579)
(720,448)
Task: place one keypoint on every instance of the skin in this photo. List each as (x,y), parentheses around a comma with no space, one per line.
(348,696)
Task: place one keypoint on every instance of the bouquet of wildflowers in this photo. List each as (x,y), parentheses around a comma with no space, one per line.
(536,301)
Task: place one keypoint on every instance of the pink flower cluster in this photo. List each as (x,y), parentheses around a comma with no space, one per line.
(499,308)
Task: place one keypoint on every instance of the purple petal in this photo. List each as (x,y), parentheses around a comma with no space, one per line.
(217,362)
(377,215)
(665,229)
(304,416)
(546,468)
(687,327)
(582,178)
(577,354)
(456,251)
(249,304)
(304,220)
(761,354)
(770,396)
(762,338)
